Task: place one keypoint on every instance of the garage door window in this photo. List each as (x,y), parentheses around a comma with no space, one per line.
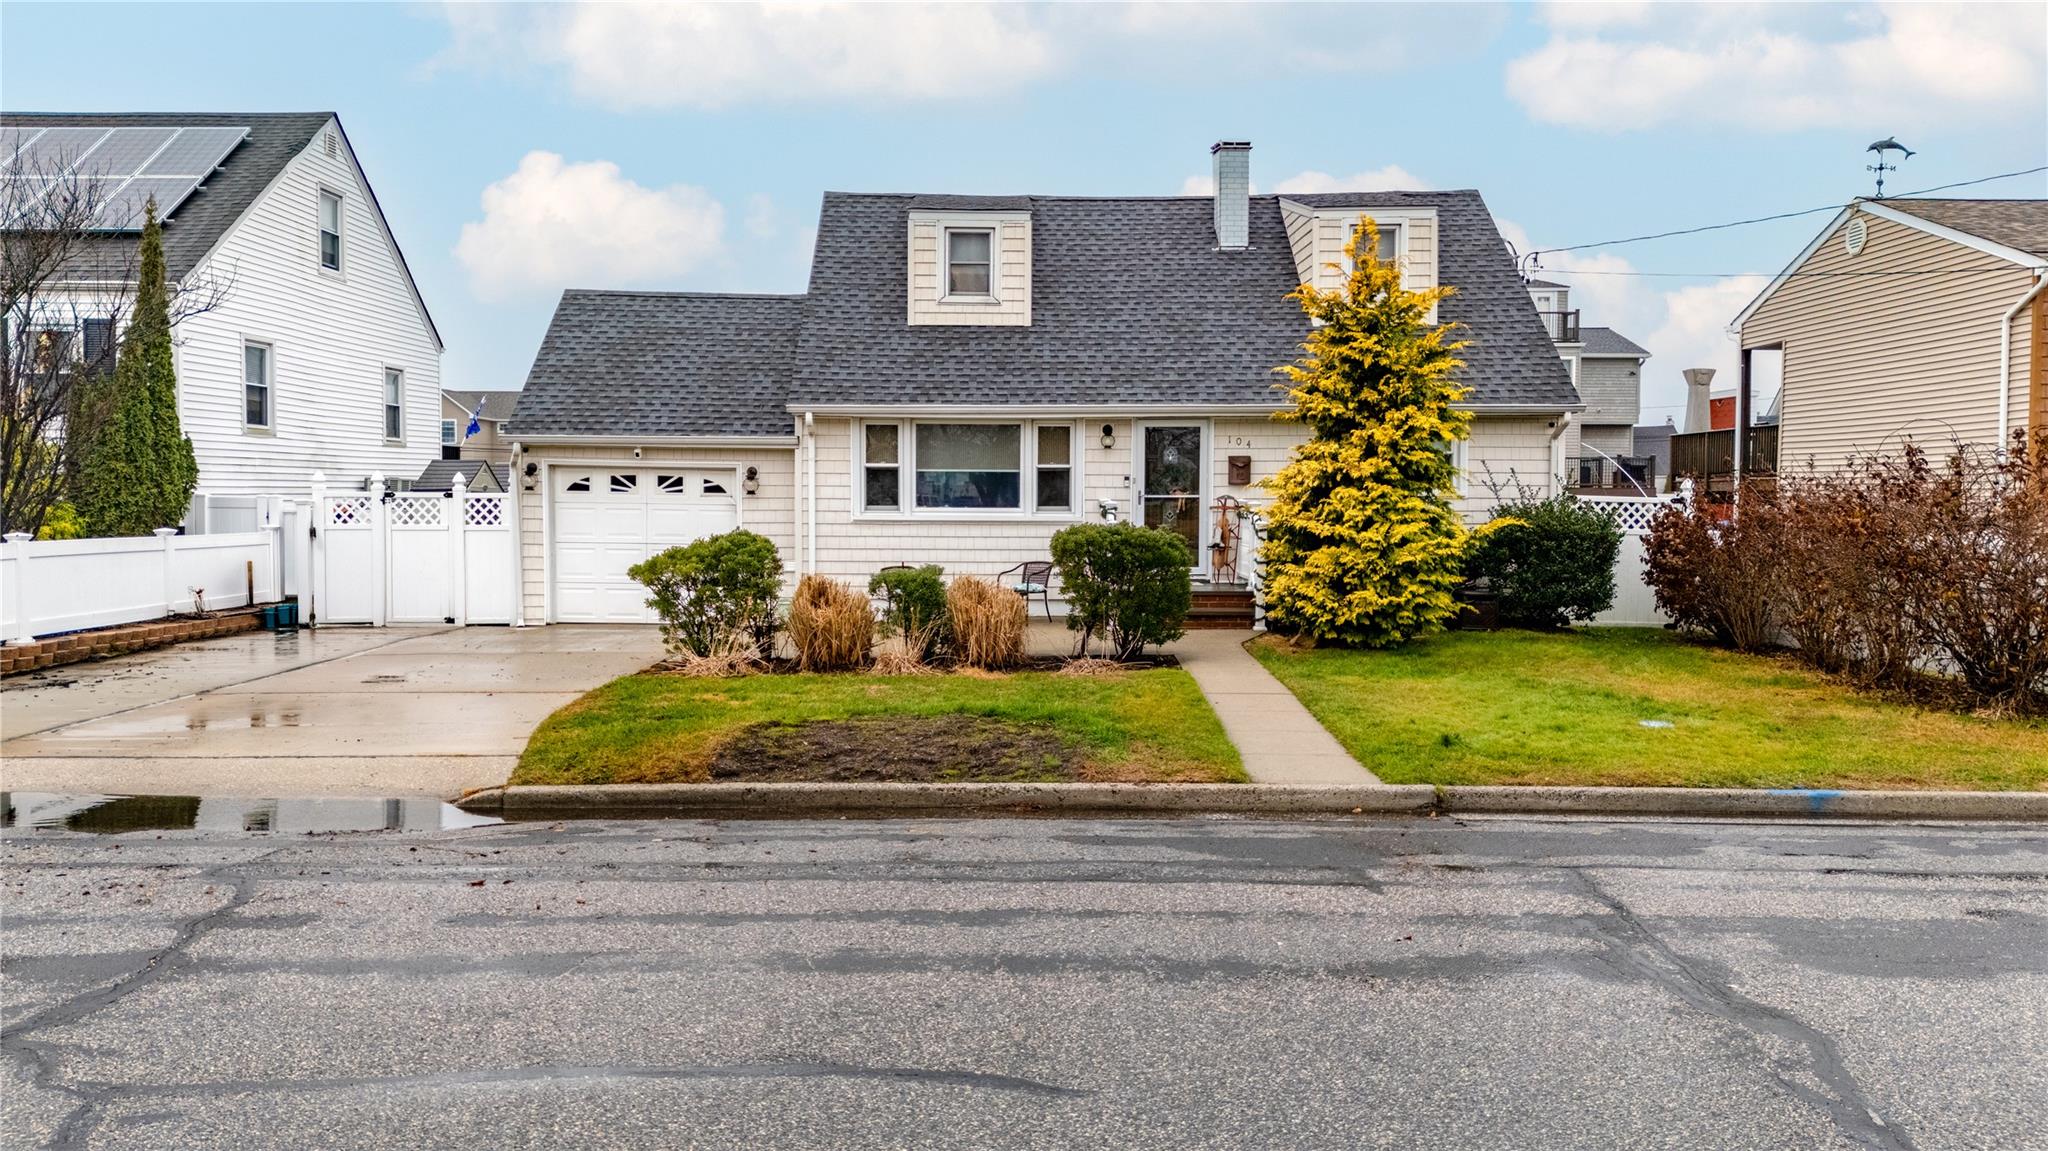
(625,484)
(578,485)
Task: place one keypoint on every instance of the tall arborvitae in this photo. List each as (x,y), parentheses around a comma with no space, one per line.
(135,471)
(1362,545)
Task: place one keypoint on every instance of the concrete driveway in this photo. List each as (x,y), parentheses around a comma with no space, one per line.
(330,712)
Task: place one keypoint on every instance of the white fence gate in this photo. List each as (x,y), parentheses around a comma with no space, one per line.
(1635,605)
(413,557)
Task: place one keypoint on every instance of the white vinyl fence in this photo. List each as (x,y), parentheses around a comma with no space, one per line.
(52,586)
(1635,605)
(383,557)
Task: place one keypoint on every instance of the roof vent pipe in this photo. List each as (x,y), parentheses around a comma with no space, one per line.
(1233,160)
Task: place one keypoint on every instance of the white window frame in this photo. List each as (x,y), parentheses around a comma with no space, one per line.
(1399,228)
(449,438)
(385,409)
(340,231)
(1027,481)
(1460,458)
(269,387)
(994,231)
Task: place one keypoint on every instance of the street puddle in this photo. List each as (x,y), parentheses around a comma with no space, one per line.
(115,814)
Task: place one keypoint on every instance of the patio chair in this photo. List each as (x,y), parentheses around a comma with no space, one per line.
(1030,578)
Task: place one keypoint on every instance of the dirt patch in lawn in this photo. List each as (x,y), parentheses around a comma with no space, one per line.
(901,749)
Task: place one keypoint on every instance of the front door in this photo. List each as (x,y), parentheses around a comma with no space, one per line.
(1170,482)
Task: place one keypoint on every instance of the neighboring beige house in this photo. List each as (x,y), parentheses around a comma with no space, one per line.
(1907,319)
(490,410)
(966,375)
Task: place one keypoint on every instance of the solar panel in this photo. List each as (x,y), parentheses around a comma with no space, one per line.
(125,166)
(196,152)
(124,152)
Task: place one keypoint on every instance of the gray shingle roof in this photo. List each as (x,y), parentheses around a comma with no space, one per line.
(2021,224)
(497,405)
(1131,304)
(190,232)
(662,364)
(439,475)
(1608,342)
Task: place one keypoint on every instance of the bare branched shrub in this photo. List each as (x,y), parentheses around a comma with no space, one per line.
(831,625)
(902,654)
(988,623)
(735,655)
(1715,569)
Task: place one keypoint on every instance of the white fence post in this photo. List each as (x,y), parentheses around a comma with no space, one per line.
(24,614)
(316,552)
(169,536)
(380,527)
(458,551)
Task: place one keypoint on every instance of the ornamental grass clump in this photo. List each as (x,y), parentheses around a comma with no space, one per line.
(1363,548)
(988,623)
(831,626)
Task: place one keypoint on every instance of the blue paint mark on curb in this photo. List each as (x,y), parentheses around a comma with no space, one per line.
(1816,798)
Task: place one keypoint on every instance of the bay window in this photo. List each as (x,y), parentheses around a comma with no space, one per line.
(959,466)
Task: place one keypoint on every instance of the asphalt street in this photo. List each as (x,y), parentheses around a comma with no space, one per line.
(1178,984)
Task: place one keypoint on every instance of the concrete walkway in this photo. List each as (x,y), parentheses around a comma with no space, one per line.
(1278,739)
(337,711)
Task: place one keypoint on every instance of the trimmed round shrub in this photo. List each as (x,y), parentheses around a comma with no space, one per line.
(917,607)
(1548,562)
(1126,583)
(714,591)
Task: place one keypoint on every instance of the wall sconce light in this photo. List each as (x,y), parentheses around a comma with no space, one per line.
(1109,435)
(752,484)
(531,470)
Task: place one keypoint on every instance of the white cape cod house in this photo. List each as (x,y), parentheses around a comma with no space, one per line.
(968,374)
(320,355)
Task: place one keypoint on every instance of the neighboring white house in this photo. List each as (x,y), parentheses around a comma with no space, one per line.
(321,356)
(968,374)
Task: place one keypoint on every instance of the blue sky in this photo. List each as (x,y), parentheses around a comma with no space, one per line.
(522,149)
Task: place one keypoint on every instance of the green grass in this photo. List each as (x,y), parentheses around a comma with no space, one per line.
(1565,708)
(1143,725)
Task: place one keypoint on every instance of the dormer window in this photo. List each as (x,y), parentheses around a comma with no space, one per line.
(1389,249)
(969,260)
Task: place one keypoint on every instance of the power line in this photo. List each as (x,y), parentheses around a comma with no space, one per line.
(1534,254)
(1952,269)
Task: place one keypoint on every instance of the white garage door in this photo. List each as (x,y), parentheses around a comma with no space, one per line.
(607,520)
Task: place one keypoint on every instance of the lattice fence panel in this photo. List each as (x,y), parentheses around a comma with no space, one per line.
(349,512)
(484,511)
(417,512)
(1630,514)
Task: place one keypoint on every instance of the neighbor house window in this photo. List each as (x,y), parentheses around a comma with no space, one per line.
(99,344)
(394,404)
(448,439)
(881,467)
(969,260)
(330,231)
(256,385)
(969,465)
(1055,468)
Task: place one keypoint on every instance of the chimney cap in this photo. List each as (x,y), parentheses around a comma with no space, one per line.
(1234,145)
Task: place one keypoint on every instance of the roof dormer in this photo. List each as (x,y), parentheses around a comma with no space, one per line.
(1408,234)
(970,266)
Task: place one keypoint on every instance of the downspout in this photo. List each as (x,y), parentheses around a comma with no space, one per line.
(2005,356)
(811,491)
(796,516)
(1561,425)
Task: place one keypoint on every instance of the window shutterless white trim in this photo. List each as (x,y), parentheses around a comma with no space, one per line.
(1461,455)
(324,197)
(267,386)
(394,405)
(448,439)
(906,472)
(947,234)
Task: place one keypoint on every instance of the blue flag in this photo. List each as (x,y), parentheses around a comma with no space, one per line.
(475,421)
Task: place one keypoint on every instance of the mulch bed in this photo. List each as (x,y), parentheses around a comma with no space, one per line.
(900,749)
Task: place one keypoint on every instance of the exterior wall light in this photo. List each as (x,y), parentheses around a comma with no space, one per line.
(1109,435)
(752,483)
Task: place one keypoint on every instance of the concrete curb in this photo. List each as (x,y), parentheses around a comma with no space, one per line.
(798,800)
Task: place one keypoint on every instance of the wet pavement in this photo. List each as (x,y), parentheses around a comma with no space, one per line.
(1470,984)
(331,711)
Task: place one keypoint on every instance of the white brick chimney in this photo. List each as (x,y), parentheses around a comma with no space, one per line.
(1233,160)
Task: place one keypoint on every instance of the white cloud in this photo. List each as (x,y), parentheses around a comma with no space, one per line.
(1392,178)
(1783,67)
(553,224)
(636,55)
(761,219)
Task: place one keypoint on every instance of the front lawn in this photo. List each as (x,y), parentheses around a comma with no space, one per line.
(1020,727)
(1568,708)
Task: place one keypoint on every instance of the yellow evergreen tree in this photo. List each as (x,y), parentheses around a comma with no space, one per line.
(1362,546)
